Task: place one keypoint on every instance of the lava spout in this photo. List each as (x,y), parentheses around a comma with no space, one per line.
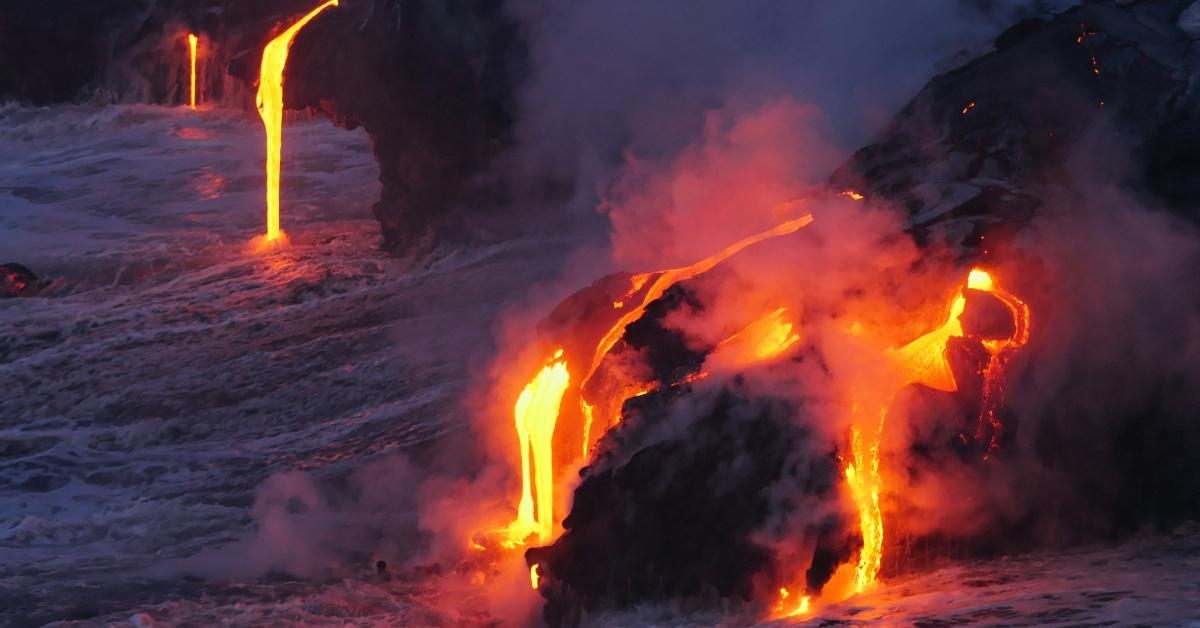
(270,108)
(193,42)
(535,415)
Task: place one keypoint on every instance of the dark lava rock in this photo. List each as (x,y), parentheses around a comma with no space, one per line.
(678,500)
(18,281)
(979,149)
(433,84)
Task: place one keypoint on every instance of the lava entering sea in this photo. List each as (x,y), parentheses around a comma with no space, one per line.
(270,107)
(573,400)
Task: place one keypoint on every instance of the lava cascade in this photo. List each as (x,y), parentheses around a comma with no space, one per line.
(922,361)
(537,471)
(270,107)
(193,43)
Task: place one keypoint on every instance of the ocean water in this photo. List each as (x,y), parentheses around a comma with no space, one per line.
(169,370)
(170,376)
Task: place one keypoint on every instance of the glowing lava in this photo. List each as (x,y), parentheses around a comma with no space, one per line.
(536,413)
(270,108)
(1000,351)
(657,286)
(538,405)
(923,361)
(762,340)
(782,609)
(192,44)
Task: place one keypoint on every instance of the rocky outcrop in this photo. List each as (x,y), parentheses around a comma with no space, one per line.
(679,512)
(433,83)
(663,512)
(979,149)
(18,281)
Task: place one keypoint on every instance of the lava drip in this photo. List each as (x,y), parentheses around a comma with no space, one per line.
(536,413)
(270,107)
(537,407)
(193,42)
(1000,351)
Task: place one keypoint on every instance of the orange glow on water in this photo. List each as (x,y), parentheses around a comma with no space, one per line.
(784,608)
(270,108)
(193,41)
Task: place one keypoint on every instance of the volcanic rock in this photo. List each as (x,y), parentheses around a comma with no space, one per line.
(18,281)
(977,151)
(677,502)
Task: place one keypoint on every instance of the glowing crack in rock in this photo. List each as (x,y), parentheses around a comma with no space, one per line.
(270,108)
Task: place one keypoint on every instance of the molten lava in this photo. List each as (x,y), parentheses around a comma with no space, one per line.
(538,405)
(923,361)
(536,413)
(659,285)
(783,608)
(193,41)
(762,340)
(270,108)
(668,278)
(1000,351)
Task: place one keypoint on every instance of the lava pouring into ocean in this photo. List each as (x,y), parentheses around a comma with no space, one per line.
(270,107)
(537,408)
(922,361)
(193,41)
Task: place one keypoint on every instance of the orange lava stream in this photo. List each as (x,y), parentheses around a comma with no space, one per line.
(999,350)
(668,278)
(922,361)
(538,405)
(192,43)
(535,415)
(661,282)
(783,610)
(270,108)
(762,340)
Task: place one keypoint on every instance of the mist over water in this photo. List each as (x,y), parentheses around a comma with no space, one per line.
(277,425)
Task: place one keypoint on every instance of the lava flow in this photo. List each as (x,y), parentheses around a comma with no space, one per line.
(193,41)
(661,282)
(270,108)
(537,407)
(922,361)
(536,413)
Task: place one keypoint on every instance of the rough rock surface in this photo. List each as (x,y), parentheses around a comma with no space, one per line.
(18,281)
(976,152)
(674,503)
